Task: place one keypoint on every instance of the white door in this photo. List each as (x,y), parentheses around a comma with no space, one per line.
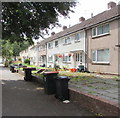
(78,59)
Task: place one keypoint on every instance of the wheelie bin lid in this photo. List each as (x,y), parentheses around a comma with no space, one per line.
(63,77)
(51,72)
(30,68)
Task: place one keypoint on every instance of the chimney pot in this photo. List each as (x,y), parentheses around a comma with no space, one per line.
(53,33)
(81,19)
(91,15)
(64,27)
(111,5)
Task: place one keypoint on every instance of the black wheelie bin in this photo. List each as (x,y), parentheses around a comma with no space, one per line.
(62,91)
(49,80)
(28,73)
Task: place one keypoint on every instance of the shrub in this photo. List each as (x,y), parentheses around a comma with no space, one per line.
(19,59)
(27,61)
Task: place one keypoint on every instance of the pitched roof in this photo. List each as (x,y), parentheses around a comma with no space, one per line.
(104,16)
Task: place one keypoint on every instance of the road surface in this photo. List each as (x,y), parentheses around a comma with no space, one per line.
(21,98)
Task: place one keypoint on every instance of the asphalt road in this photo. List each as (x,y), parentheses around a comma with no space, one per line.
(21,98)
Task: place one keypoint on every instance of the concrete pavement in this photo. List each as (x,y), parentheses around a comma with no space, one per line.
(22,98)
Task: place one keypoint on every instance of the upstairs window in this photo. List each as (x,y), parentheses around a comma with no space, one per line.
(50,45)
(39,48)
(42,47)
(67,40)
(77,37)
(56,43)
(40,59)
(100,30)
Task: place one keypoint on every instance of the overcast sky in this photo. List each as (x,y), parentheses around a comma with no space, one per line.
(84,8)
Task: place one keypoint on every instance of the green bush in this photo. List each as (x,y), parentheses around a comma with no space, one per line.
(27,61)
(19,59)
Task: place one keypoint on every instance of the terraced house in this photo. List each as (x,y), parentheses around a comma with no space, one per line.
(67,48)
(93,43)
(103,41)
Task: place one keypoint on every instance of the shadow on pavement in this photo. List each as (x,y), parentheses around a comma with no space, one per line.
(22,98)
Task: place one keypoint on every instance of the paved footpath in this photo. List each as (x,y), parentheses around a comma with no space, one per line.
(20,98)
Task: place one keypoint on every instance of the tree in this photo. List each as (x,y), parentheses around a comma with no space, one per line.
(27,20)
(7,51)
(18,47)
(10,50)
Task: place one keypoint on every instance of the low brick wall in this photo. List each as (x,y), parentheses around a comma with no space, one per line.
(21,72)
(94,103)
(37,79)
(90,102)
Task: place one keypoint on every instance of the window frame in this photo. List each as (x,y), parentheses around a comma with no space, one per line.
(67,38)
(96,30)
(57,43)
(96,56)
(40,59)
(50,60)
(66,59)
(77,38)
(50,45)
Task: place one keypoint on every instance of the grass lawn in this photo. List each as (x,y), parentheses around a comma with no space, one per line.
(91,83)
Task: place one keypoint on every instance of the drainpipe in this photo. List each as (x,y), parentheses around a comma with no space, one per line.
(86,50)
(46,54)
(118,46)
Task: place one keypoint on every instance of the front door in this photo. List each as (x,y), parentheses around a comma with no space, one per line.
(78,59)
(44,60)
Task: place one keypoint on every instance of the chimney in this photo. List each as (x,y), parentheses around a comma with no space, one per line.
(81,19)
(64,27)
(111,5)
(91,15)
(53,33)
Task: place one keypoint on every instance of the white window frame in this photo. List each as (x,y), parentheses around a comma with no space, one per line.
(55,43)
(67,38)
(50,45)
(50,60)
(56,58)
(96,30)
(77,56)
(96,56)
(40,59)
(66,59)
(77,38)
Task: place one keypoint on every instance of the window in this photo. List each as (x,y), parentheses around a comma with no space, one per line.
(39,48)
(56,43)
(66,58)
(40,59)
(100,56)
(81,57)
(56,58)
(94,32)
(50,58)
(94,56)
(33,58)
(77,37)
(77,57)
(42,47)
(50,45)
(100,30)
(67,40)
